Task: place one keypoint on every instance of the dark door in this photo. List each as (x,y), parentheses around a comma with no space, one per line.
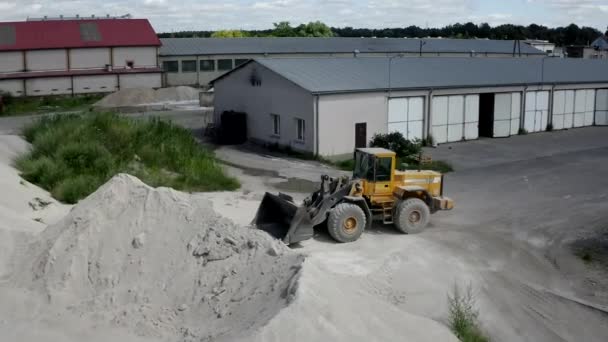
(486,115)
(361,134)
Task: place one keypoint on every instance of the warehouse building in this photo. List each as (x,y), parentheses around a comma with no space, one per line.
(329,106)
(197,61)
(77,56)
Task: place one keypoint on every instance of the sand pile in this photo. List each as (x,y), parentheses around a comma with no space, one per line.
(161,264)
(147,96)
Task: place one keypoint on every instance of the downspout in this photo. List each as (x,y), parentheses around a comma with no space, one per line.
(550,104)
(522,115)
(315,118)
(427,117)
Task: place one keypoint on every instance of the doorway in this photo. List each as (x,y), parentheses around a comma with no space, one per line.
(486,115)
(361,135)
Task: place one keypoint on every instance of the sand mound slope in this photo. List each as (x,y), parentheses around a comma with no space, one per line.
(142,96)
(160,263)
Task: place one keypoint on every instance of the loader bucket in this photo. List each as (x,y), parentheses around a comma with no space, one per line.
(283,219)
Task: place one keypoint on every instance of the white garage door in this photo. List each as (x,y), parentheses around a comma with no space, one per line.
(406,115)
(507,107)
(601,107)
(563,109)
(455,118)
(537,111)
(584,104)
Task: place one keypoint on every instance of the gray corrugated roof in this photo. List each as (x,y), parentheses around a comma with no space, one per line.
(217,46)
(334,75)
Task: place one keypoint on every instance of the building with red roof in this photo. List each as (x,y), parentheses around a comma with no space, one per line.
(77,56)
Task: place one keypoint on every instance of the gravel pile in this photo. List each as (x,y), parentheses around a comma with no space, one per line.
(161,264)
(147,96)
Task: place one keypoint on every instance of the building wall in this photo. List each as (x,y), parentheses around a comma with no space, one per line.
(95,84)
(13,87)
(93,58)
(338,115)
(48,86)
(273,95)
(152,80)
(45,60)
(11,61)
(141,56)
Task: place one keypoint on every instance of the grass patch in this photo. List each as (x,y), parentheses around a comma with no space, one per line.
(462,315)
(47,104)
(72,155)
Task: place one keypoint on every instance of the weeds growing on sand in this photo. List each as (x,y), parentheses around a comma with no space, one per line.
(72,155)
(463,315)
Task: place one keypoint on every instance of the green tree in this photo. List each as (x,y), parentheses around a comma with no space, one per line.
(283,29)
(314,29)
(228,34)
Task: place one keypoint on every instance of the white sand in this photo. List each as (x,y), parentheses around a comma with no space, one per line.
(147,96)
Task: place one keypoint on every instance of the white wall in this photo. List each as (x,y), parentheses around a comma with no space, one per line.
(95,84)
(14,87)
(48,86)
(93,58)
(11,61)
(273,95)
(141,56)
(151,80)
(43,60)
(338,115)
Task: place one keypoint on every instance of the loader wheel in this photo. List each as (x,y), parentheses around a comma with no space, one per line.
(411,216)
(346,222)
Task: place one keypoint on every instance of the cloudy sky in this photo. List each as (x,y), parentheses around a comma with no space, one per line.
(176,15)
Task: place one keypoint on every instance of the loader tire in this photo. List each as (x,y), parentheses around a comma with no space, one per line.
(346,222)
(411,216)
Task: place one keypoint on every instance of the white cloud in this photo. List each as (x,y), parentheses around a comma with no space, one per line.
(177,15)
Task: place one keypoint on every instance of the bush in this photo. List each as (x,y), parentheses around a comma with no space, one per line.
(72,155)
(408,151)
(462,315)
(522,131)
(549,127)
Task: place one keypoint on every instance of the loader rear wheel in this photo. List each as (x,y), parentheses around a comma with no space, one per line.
(411,216)
(346,222)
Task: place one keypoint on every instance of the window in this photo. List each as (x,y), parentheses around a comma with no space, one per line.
(188,66)
(224,64)
(383,169)
(301,133)
(170,66)
(276,124)
(207,65)
(238,62)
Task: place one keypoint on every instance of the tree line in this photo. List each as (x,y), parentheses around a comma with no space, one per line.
(561,36)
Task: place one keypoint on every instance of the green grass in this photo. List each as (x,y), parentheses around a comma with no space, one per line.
(462,315)
(72,155)
(46,104)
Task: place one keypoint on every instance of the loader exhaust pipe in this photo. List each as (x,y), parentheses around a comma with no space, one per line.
(279,216)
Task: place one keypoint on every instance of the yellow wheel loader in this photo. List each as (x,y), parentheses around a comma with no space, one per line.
(377,191)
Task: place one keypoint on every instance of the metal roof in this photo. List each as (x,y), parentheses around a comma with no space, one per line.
(62,34)
(336,75)
(219,46)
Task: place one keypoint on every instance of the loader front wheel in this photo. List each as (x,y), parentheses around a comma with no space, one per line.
(346,222)
(411,216)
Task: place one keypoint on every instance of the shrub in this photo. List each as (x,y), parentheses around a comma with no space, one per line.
(72,155)
(522,131)
(462,315)
(408,151)
(549,127)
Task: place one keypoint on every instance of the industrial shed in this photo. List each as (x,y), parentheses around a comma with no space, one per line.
(329,106)
(197,61)
(77,56)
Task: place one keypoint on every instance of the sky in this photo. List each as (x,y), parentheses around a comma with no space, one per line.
(178,15)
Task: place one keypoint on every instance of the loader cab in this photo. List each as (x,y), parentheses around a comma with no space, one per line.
(376,167)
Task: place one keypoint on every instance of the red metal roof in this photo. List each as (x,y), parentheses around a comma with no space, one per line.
(60,34)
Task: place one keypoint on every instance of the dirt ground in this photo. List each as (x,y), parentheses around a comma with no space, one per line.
(528,233)
(522,205)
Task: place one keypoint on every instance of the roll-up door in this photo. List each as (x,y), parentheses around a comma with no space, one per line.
(507,107)
(601,107)
(537,111)
(406,116)
(455,118)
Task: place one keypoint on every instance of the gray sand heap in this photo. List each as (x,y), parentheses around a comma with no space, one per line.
(160,263)
(148,96)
